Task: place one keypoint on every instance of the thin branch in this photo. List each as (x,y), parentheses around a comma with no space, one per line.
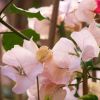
(92,77)
(96,68)
(38,88)
(53,24)
(6,6)
(74,84)
(17,32)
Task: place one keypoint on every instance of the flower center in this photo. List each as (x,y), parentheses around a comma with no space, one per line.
(20,71)
(43,54)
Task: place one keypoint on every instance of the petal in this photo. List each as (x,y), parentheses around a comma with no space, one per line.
(61,53)
(85,16)
(9,72)
(22,84)
(31,22)
(32,92)
(19,56)
(25,82)
(95,31)
(70,94)
(46,11)
(88,53)
(37,70)
(55,74)
(69,5)
(31,46)
(53,91)
(72,22)
(85,41)
(64,5)
(42,27)
(85,10)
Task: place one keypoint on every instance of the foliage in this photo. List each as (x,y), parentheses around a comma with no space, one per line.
(10,38)
(14,9)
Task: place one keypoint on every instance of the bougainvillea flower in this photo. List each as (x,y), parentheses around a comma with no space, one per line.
(95,31)
(63,62)
(85,13)
(87,44)
(97,10)
(22,66)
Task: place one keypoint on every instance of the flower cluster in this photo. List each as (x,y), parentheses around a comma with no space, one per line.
(55,67)
(72,12)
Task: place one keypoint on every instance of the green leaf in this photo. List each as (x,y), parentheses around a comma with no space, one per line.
(89,97)
(10,38)
(31,33)
(14,9)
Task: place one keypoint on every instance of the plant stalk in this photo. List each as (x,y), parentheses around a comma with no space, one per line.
(85,81)
(38,93)
(53,24)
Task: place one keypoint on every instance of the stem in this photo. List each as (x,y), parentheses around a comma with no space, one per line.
(96,69)
(85,80)
(53,24)
(1,98)
(13,29)
(94,72)
(38,88)
(93,77)
(6,6)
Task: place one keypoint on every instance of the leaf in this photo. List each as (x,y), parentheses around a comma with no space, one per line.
(14,9)
(10,38)
(31,33)
(89,97)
